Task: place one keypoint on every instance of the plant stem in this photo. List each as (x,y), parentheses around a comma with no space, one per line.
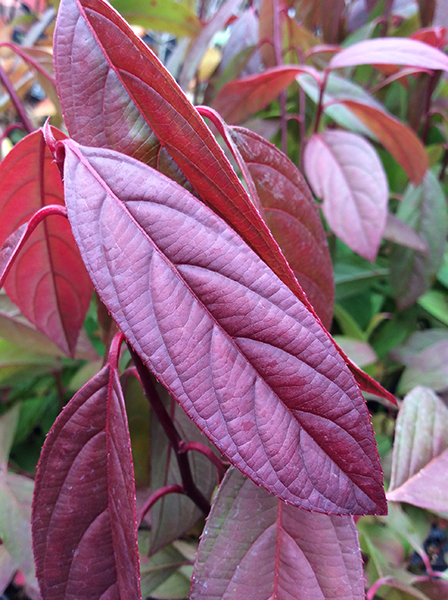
(16,101)
(174,438)
(208,452)
(163,491)
(320,106)
(279,60)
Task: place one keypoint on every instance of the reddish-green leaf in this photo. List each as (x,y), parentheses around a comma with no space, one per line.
(397,231)
(344,170)
(175,514)
(273,550)
(245,359)
(391,51)
(292,216)
(424,209)
(396,137)
(421,434)
(48,281)
(240,99)
(84,521)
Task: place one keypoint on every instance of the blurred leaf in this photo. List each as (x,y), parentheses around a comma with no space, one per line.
(31,412)
(298,549)
(436,303)
(138,411)
(348,325)
(427,367)
(442,275)
(17,362)
(423,208)
(397,231)
(353,275)
(160,15)
(361,353)
(344,170)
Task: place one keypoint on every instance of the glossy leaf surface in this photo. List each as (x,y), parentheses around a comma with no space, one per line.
(84,536)
(135,107)
(344,170)
(48,281)
(391,51)
(249,364)
(241,98)
(411,272)
(274,550)
(292,216)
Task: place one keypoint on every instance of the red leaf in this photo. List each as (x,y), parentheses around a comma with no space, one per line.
(391,51)
(344,170)
(397,138)
(134,106)
(48,282)
(292,216)
(273,550)
(245,359)
(240,99)
(84,520)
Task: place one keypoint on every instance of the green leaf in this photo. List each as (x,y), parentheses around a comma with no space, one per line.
(160,15)
(436,303)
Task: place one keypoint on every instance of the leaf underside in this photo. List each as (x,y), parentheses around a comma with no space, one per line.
(84,536)
(245,359)
(274,551)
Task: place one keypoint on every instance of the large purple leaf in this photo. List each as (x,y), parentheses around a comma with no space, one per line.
(48,281)
(246,360)
(292,216)
(391,51)
(273,550)
(344,170)
(84,521)
(115,93)
(424,209)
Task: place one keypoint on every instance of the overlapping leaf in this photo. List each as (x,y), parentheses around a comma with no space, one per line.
(240,99)
(48,281)
(84,537)
(291,214)
(424,209)
(273,550)
(420,456)
(391,51)
(344,170)
(249,364)
(116,94)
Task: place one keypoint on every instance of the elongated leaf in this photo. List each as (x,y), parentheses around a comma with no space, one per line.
(249,364)
(203,40)
(391,51)
(397,138)
(240,99)
(292,216)
(344,170)
(274,550)
(84,536)
(175,514)
(48,282)
(160,15)
(424,209)
(397,231)
(134,106)
(421,434)
(243,37)
(428,368)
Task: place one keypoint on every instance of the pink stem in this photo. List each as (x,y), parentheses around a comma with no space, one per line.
(206,451)
(16,101)
(163,491)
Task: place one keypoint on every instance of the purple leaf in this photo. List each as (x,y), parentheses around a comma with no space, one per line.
(397,231)
(344,170)
(48,282)
(245,359)
(240,99)
(391,51)
(116,94)
(84,521)
(411,272)
(273,550)
(415,446)
(428,368)
(292,216)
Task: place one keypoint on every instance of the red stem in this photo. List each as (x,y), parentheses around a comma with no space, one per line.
(174,438)
(10,128)
(321,99)
(279,61)
(114,350)
(29,60)
(208,452)
(163,491)
(16,101)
